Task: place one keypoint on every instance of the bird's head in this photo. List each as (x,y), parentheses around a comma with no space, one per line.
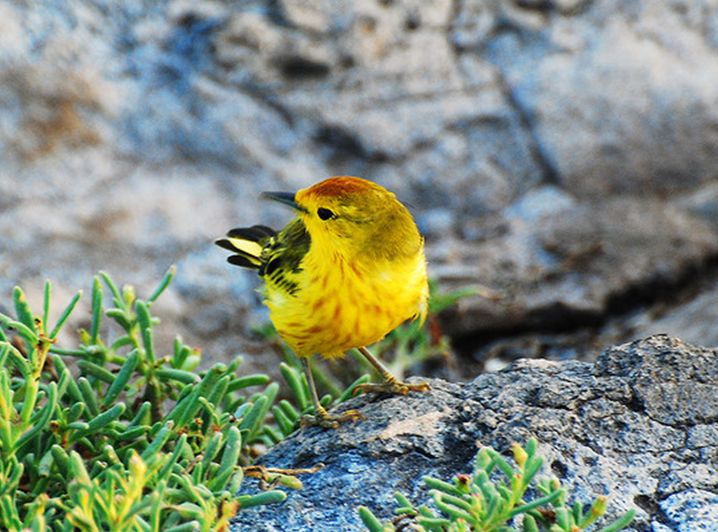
(355,217)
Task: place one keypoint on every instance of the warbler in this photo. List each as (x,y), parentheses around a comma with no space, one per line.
(347,270)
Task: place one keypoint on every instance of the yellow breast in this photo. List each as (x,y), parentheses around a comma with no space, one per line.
(340,304)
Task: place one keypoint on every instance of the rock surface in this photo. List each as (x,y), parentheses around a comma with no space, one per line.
(561,152)
(640,425)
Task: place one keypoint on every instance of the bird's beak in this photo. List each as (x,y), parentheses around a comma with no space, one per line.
(284,197)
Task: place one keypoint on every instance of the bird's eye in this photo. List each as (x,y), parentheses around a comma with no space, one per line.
(324,214)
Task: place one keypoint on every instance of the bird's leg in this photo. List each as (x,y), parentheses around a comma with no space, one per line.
(322,417)
(390,384)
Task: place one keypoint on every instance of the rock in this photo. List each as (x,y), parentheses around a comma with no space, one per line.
(569,264)
(695,508)
(560,152)
(586,80)
(688,315)
(639,425)
(703,202)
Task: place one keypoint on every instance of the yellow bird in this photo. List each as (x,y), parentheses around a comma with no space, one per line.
(345,272)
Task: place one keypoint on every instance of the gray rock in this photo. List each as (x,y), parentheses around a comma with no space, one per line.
(586,79)
(691,510)
(689,316)
(617,427)
(566,265)
(561,152)
(703,202)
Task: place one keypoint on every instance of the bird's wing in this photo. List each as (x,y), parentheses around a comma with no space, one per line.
(281,257)
(277,256)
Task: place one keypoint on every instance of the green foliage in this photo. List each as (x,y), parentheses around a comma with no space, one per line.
(122,437)
(497,496)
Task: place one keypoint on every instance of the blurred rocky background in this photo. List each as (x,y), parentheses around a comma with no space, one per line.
(563,153)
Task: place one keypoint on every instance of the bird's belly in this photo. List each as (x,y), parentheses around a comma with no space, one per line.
(351,313)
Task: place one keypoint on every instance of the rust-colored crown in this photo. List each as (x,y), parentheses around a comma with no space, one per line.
(341,186)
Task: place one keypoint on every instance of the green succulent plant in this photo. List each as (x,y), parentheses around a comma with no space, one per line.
(113,435)
(497,496)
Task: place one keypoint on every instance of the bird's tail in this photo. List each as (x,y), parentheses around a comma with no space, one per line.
(247,244)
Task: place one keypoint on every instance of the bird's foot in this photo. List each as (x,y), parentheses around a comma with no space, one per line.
(328,421)
(392,387)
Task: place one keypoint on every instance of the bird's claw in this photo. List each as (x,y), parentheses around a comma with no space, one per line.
(328,421)
(395,387)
